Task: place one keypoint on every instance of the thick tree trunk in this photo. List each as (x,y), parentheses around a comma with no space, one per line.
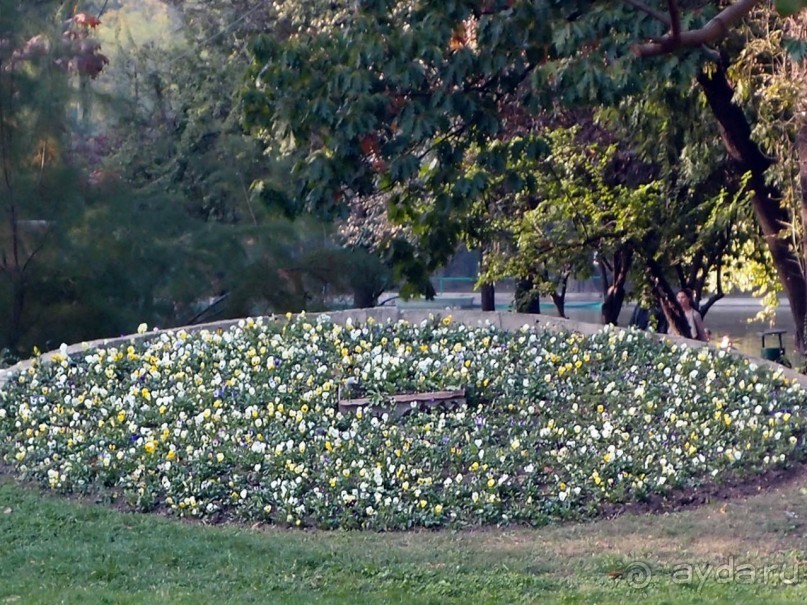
(364,298)
(771,216)
(488,292)
(612,304)
(560,304)
(801,145)
(526,299)
(614,294)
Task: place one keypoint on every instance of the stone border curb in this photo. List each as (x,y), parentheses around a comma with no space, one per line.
(502,319)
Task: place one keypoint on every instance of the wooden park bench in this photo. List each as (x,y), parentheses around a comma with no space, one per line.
(402,404)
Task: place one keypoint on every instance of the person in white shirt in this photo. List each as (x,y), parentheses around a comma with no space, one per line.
(696,328)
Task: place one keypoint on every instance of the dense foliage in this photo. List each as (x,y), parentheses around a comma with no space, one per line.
(426,111)
(243,424)
(124,185)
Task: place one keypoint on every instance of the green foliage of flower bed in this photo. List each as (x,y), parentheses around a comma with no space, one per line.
(242,424)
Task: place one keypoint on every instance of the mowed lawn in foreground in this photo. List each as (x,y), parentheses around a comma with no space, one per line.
(59,551)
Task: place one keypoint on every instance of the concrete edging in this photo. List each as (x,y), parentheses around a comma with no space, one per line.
(505,320)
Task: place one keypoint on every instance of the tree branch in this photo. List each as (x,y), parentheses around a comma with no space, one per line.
(658,15)
(675,20)
(36,251)
(679,271)
(666,298)
(212,305)
(103,10)
(695,267)
(715,29)
(716,296)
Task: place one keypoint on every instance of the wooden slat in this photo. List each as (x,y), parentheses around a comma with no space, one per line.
(402,403)
(435,396)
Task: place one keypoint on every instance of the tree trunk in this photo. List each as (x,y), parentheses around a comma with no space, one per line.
(614,294)
(364,298)
(488,292)
(525,298)
(560,304)
(16,277)
(801,146)
(704,308)
(612,305)
(15,321)
(558,295)
(667,301)
(771,216)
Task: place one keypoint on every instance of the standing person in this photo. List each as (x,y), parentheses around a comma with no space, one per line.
(696,329)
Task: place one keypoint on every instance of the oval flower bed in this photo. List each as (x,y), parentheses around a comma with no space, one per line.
(243,424)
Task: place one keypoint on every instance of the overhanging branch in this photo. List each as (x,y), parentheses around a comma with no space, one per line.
(658,15)
(715,29)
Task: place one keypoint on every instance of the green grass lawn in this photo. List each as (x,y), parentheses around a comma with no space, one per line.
(58,551)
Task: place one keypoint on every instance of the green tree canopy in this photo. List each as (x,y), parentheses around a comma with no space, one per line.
(414,100)
(405,97)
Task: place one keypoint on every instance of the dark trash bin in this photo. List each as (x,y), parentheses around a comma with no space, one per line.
(773,353)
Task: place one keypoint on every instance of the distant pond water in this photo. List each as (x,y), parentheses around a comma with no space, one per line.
(728,317)
(731,316)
